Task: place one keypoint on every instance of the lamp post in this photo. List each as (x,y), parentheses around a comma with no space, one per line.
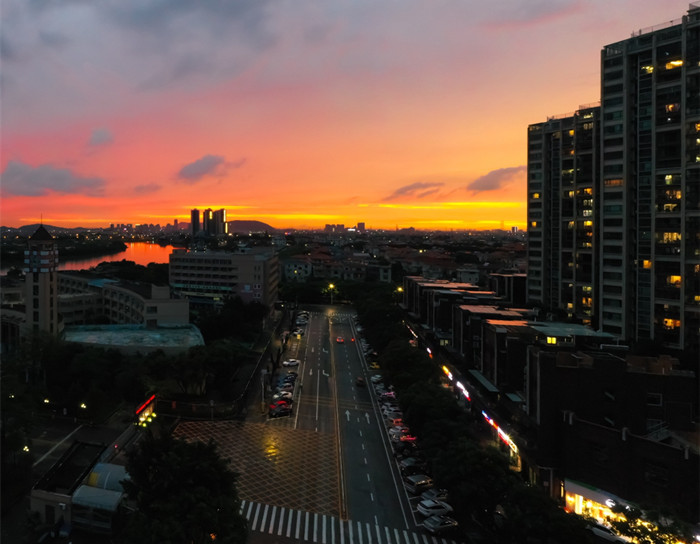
(331,287)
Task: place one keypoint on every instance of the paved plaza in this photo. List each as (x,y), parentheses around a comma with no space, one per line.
(290,468)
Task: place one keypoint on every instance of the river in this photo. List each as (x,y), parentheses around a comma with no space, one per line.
(141,253)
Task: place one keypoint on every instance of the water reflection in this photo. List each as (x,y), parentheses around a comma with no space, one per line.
(141,253)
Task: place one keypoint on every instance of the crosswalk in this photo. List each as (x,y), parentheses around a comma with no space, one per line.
(326,529)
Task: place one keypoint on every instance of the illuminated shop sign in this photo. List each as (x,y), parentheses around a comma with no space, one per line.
(501,433)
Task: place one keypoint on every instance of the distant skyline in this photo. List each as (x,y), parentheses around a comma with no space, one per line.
(295,113)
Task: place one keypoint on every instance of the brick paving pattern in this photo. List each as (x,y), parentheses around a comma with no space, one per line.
(276,465)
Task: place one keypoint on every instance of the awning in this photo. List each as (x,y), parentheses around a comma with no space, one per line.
(483,381)
(94,497)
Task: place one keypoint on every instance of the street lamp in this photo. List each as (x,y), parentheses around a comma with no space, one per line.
(331,287)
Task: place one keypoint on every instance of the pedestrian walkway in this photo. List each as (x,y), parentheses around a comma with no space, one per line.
(326,529)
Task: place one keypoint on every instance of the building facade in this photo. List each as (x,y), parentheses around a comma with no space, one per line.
(41,283)
(650,193)
(209,277)
(562,182)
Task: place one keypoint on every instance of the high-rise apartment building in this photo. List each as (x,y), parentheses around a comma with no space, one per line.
(649,221)
(214,222)
(562,180)
(614,226)
(195,221)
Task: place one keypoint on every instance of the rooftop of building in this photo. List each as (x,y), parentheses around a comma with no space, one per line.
(136,338)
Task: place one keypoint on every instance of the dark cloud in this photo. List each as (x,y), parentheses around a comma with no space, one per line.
(147,189)
(420,189)
(20,179)
(208,165)
(496,179)
(101,136)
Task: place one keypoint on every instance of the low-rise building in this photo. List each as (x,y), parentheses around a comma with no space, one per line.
(210,277)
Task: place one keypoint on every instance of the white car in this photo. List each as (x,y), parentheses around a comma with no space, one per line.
(430,507)
(376,378)
(291,362)
(606,533)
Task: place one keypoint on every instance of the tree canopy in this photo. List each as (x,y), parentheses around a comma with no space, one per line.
(183,492)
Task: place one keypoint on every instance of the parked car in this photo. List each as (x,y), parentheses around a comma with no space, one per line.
(376,378)
(439,524)
(280,402)
(280,411)
(606,533)
(434,494)
(373,366)
(298,332)
(407,462)
(430,507)
(282,395)
(417,483)
(339,340)
(360,381)
(291,362)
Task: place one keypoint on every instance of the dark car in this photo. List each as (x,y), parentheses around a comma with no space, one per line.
(439,524)
(360,381)
(280,411)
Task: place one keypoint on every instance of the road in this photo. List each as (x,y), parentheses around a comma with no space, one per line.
(329,401)
(326,474)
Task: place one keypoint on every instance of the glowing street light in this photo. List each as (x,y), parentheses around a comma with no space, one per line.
(331,287)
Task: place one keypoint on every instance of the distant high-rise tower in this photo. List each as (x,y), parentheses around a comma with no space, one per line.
(41,283)
(220,223)
(562,181)
(194,221)
(650,193)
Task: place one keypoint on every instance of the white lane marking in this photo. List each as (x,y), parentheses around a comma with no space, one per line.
(296,534)
(255,519)
(289,524)
(272,520)
(280,528)
(264,517)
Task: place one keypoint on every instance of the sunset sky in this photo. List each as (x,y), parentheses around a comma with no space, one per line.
(298,113)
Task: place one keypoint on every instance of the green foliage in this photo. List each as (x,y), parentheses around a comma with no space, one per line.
(183,492)
(235,319)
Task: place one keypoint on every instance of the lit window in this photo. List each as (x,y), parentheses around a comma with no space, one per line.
(671,323)
(670,108)
(674,280)
(646,264)
(588,223)
(535,195)
(551,339)
(674,64)
(533,223)
(571,224)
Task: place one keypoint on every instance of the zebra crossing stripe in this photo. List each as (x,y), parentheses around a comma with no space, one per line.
(280,528)
(331,527)
(255,518)
(289,525)
(272,520)
(264,517)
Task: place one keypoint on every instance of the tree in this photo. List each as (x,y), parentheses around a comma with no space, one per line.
(184,493)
